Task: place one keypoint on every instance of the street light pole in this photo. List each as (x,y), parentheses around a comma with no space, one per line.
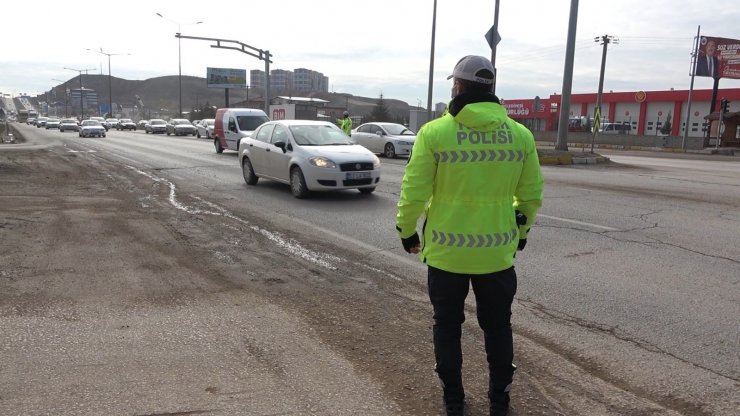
(430,87)
(179,56)
(82,111)
(110,89)
(65,96)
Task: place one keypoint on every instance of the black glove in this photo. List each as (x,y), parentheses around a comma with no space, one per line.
(521,219)
(410,242)
(522,243)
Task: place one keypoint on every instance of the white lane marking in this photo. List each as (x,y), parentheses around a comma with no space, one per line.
(81,151)
(290,245)
(588,224)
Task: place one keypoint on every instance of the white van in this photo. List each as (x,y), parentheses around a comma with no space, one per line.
(232,124)
(615,128)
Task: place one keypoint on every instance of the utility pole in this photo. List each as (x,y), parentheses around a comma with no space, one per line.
(605,41)
(570,47)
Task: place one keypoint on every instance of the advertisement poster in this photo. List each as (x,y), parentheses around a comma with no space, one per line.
(226,78)
(718,58)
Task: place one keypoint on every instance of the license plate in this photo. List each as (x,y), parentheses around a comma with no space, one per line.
(358,175)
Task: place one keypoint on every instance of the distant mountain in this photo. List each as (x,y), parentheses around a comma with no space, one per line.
(163,93)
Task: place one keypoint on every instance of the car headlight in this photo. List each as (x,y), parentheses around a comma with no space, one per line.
(376,162)
(322,162)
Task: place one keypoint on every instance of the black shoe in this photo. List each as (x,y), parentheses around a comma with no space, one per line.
(455,409)
(499,409)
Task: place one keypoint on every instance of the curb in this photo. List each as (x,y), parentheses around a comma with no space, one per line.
(572,160)
(705,151)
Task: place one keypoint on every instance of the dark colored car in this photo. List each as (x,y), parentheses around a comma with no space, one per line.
(181,127)
(126,124)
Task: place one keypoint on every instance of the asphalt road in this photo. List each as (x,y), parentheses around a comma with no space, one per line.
(628,287)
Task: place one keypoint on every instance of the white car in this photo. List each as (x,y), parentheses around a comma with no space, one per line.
(102,122)
(389,139)
(309,156)
(52,123)
(205,127)
(68,124)
(90,128)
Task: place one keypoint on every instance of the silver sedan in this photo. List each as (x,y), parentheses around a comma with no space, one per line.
(309,156)
(388,139)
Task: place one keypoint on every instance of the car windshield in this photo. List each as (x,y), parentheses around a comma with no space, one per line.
(209,122)
(91,123)
(177,122)
(126,120)
(249,123)
(157,122)
(319,135)
(69,121)
(398,130)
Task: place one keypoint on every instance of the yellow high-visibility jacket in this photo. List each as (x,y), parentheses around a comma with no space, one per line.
(469,172)
(346,125)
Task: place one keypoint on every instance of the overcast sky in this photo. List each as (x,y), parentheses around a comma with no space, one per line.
(366,48)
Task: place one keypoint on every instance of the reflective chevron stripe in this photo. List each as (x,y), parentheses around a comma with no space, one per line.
(462,156)
(473,240)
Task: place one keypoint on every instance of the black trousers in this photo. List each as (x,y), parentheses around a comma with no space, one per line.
(494,293)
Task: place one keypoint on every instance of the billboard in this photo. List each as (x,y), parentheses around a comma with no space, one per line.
(226,78)
(718,58)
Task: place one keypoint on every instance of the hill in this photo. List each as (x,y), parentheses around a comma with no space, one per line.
(162,93)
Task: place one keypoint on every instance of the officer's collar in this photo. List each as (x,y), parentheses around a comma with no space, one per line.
(457,103)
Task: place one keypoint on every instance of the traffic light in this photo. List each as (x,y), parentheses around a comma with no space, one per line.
(725,105)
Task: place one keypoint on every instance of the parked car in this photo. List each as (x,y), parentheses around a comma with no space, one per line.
(41,122)
(31,121)
(615,128)
(205,127)
(232,124)
(388,139)
(52,123)
(91,128)
(126,124)
(102,122)
(141,125)
(156,125)
(181,127)
(68,124)
(309,156)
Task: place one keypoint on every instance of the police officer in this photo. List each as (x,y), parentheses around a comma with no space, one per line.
(475,174)
(345,123)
